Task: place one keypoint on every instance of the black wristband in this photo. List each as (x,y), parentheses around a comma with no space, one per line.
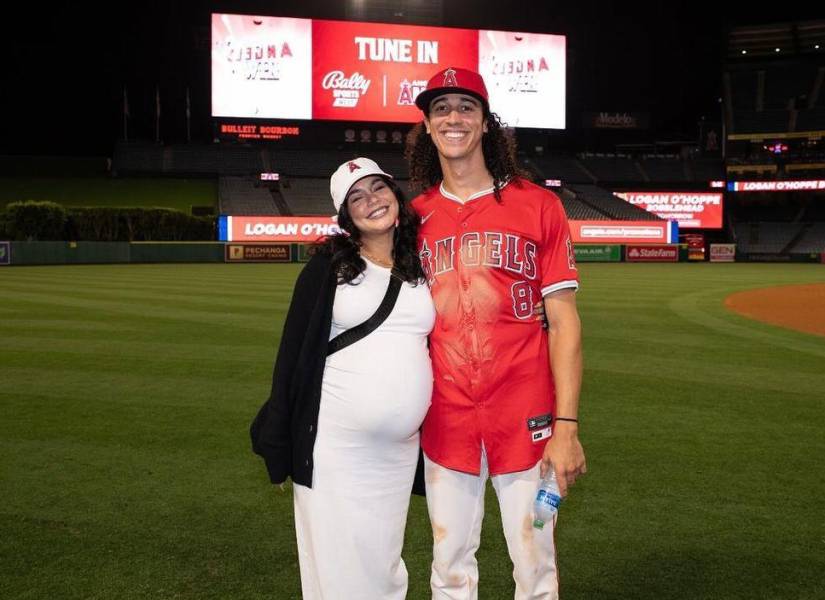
(567,419)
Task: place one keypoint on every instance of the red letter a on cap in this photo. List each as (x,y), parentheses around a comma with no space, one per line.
(449,78)
(353,166)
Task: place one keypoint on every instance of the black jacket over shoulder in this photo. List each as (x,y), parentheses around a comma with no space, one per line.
(283,432)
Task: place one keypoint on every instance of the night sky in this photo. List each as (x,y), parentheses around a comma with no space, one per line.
(65,67)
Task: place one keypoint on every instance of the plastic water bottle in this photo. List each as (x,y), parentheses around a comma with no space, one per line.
(548,498)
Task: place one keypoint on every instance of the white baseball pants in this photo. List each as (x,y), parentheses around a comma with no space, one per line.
(455,501)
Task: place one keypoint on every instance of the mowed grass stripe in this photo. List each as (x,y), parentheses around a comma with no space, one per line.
(150,435)
(151,311)
(174,350)
(62,326)
(178,287)
(217,301)
(206,276)
(173,330)
(236,388)
(149,322)
(183,290)
(660,277)
(721,372)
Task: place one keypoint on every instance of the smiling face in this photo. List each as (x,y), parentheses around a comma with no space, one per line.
(372,205)
(456,125)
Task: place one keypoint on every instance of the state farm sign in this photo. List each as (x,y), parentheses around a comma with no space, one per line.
(652,253)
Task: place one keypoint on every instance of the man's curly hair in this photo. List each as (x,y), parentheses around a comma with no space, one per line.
(498,146)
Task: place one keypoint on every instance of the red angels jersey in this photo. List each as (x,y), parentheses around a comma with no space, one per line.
(487,263)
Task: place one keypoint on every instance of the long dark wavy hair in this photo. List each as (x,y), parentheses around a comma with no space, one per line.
(498,146)
(343,248)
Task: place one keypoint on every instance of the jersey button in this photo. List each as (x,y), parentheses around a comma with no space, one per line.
(464,224)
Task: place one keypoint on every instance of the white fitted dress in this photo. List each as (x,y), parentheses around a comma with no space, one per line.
(374,396)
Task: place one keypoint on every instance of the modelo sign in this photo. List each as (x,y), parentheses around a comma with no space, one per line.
(286,68)
(637,253)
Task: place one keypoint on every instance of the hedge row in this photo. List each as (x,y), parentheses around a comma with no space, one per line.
(48,221)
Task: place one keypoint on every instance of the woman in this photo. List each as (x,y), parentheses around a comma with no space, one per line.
(345,426)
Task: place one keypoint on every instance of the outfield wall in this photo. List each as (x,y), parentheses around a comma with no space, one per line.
(75,253)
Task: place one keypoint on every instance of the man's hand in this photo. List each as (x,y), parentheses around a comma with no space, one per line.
(540,314)
(565,454)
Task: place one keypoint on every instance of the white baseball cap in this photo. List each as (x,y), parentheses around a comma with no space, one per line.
(347,174)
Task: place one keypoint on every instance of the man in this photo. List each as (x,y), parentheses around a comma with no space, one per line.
(492,244)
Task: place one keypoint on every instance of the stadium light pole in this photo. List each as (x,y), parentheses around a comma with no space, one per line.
(188,117)
(157,114)
(724,130)
(125,115)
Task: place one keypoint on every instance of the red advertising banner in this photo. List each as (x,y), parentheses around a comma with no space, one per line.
(311,229)
(636,253)
(701,210)
(722,252)
(623,232)
(278,229)
(775,186)
(253,131)
(361,70)
(695,245)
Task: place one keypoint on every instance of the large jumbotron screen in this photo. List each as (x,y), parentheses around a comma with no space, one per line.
(285,68)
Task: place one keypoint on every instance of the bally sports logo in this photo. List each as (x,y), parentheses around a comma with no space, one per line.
(346,91)
(652,254)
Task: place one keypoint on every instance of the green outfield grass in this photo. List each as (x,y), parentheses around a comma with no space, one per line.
(181,194)
(125,469)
